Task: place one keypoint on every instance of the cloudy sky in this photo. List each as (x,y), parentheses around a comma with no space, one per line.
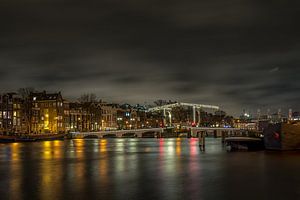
(233,53)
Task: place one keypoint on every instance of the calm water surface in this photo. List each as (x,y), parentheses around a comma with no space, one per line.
(144,169)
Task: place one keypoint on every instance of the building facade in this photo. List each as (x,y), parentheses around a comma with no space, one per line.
(109,116)
(11,113)
(47,113)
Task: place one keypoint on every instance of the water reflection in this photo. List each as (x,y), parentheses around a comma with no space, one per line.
(137,169)
(161,148)
(178,146)
(103,143)
(15,172)
(194,148)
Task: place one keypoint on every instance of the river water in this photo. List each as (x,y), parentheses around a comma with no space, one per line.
(144,169)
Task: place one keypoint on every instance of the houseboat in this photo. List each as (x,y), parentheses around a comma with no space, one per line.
(282,136)
(31,137)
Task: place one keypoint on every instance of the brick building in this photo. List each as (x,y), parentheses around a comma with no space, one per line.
(11,117)
(47,113)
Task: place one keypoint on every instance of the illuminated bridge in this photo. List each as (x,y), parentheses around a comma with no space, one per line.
(154,132)
(196,109)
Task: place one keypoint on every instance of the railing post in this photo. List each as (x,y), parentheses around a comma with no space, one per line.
(202,141)
(194,114)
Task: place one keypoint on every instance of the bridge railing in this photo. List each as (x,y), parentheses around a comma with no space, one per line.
(121,131)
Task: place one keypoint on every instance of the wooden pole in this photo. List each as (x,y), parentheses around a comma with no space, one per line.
(202,141)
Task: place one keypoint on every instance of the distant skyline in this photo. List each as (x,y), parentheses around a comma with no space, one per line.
(238,55)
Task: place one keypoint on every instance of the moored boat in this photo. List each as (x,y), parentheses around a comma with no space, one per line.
(6,139)
(244,143)
(31,137)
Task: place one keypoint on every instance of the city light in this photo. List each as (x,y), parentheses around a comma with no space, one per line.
(149,100)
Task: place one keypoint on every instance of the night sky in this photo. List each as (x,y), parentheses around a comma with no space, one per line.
(233,53)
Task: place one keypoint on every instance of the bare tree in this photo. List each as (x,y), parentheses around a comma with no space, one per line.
(27,106)
(93,97)
(180,113)
(25,92)
(87,98)
(161,102)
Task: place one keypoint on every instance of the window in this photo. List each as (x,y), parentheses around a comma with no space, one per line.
(9,115)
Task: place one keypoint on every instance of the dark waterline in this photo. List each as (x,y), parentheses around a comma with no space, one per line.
(144,169)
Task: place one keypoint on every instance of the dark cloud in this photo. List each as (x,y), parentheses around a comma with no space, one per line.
(237,54)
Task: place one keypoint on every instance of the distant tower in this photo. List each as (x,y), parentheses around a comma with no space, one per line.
(268,113)
(279,114)
(258,114)
(290,114)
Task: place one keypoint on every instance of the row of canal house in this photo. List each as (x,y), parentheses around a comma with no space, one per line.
(131,117)
(43,112)
(11,106)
